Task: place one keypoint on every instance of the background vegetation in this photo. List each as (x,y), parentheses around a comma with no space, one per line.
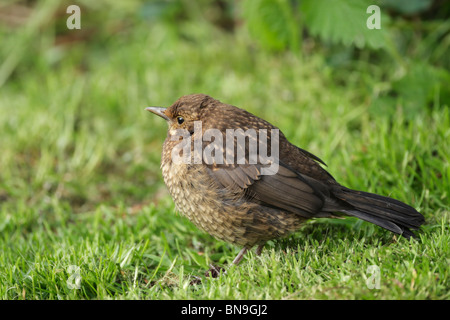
(80,183)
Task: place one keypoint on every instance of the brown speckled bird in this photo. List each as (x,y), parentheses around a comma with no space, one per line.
(236,203)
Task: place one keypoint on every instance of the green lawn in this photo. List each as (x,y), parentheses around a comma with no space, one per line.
(84,213)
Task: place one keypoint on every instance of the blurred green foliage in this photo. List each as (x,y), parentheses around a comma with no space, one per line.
(413,40)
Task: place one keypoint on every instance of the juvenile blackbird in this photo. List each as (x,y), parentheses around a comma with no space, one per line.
(235,202)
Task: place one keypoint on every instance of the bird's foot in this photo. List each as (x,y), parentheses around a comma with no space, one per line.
(214,271)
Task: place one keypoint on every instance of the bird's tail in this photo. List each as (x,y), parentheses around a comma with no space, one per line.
(385,212)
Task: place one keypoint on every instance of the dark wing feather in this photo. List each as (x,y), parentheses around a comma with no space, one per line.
(299,184)
(286,190)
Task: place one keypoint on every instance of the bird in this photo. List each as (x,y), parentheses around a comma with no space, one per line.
(249,200)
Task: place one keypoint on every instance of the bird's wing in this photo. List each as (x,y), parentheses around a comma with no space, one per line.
(298,186)
(286,189)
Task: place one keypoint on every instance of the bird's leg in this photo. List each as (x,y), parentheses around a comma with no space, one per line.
(240,256)
(244,251)
(214,271)
(259,249)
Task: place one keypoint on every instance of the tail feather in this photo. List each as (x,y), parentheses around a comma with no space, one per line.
(385,212)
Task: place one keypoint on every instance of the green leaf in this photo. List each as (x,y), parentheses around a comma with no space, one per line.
(272,23)
(343,21)
(420,86)
(407,6)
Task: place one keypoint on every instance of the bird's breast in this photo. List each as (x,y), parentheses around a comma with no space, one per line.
(219,211)
(196,196)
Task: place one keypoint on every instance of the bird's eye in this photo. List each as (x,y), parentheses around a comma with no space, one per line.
(180,120)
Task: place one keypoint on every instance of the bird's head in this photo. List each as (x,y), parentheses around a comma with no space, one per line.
(184,112)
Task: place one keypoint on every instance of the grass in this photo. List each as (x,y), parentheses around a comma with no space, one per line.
(80,183)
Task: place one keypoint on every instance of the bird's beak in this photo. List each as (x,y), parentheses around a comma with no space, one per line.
(159,112)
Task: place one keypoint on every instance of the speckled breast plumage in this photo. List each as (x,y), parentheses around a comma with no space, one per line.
(223,215)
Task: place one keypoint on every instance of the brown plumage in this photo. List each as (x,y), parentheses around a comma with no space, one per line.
(236,203)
